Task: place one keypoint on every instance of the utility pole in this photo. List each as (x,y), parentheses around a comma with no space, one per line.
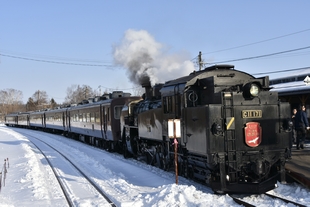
(200,61)
(86,92)
(38,98)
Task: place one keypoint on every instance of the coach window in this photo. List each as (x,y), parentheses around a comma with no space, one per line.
(108,114)
(92,117)
(97,117)
(87,117)
(80,117)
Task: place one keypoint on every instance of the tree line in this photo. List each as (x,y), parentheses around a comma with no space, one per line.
(11,99)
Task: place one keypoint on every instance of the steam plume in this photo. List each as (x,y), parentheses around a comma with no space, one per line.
(145,60)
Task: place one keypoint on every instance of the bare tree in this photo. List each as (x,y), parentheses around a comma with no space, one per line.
(31,105)
(10,101)
(77,93)
(53,103)
(40,97)
(39,100)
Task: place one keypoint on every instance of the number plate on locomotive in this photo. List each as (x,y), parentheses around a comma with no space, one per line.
(252,113)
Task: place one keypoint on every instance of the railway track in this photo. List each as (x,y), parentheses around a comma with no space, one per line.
(242,201)
(68,185)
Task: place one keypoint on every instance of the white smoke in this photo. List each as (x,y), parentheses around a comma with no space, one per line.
(145,60)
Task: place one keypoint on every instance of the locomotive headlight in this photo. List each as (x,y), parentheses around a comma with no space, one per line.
(251,90)
(254,90)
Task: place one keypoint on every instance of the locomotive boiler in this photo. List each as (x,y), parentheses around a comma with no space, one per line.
(234,131)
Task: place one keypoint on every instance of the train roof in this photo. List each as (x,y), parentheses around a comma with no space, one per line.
(12,114)
(292,85)
(23,114)
(104,102)
(217,71)
(292,76)
(185,79)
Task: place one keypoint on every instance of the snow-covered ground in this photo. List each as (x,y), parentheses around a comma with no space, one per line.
(30,182)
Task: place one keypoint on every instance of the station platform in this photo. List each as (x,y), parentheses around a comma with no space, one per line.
(298,167)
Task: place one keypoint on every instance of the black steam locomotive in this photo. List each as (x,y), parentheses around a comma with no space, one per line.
(233,132)
(224,127)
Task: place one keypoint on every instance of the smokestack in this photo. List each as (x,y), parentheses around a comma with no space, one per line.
(146,83)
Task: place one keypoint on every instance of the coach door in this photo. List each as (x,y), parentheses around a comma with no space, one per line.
(103,116)
(43,120)
(69,119)
(65,119)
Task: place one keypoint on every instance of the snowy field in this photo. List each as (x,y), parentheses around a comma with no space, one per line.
(30,182)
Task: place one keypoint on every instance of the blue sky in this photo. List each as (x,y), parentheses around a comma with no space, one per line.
(52,45)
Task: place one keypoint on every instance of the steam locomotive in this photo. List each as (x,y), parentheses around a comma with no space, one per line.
(222,127)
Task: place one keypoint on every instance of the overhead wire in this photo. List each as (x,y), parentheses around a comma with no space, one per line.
(280,71)
(261,56)
(57,62)
(49,57)
(236,47)
(254,43)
